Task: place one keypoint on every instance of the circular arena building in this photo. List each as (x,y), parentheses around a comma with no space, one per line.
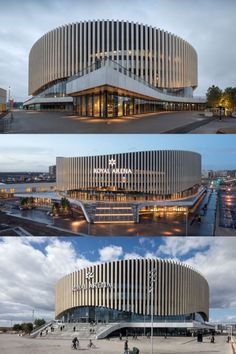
(150,175)
(108,68)
(126,292)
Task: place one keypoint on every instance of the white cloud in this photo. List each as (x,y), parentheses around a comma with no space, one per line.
(146,240)
(110,253)
(214,258)
(218,265)
(132,255)
(150,255)
(28,275)
(183,245)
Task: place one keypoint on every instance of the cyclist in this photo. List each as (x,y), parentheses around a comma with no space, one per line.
(75,343)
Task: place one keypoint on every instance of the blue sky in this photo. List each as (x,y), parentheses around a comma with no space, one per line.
(208,25)
(37,152)
(30,267)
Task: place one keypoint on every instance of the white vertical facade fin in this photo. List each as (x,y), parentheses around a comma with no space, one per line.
(158,57)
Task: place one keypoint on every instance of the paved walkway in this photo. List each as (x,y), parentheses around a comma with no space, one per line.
(9,226)
(212,127)
(207,225)
(12,344)
(61,122)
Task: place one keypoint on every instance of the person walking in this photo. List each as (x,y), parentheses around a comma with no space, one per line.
(126,347)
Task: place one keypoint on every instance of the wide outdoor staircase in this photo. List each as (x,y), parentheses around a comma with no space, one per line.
(66,331)
(105,212)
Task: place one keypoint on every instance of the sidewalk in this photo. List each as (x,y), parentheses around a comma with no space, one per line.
(227,125)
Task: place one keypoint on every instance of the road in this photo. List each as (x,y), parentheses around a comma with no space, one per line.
(10,344)
(208,217)
(61,122)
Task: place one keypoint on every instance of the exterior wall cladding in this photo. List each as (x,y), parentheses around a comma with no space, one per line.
(3,96)
(160,58)
(179,289)
(162,172)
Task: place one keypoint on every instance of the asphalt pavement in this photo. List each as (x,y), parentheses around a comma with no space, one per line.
(60,122)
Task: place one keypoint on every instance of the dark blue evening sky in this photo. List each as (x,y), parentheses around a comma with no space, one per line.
(37,152)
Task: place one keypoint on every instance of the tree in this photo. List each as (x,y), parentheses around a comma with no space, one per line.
(229,98)
(214,96)
(55,208)
(65,205)
(27,327)
(39,322)
(17,327)
(24,201)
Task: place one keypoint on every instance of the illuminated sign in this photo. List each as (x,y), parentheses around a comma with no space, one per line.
(112,169)
(112,162)
(116,171)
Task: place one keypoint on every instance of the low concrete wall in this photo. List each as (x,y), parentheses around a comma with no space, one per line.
(208,114)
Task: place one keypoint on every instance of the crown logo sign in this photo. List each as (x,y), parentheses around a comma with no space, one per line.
(112,162)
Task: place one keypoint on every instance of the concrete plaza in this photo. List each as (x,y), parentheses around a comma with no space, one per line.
(10,344)
(61,122)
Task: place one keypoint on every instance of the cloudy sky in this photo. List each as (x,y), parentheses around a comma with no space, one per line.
(30,267)
(209,25)
(37,152)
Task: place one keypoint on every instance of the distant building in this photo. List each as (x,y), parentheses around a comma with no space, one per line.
(3,100)
(231,173)
(205,174)
(211,174)
(52,170)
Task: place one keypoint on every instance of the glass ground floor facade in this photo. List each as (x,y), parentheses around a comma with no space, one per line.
(106,195)
(111,104)
(108,104)
(86,314)
(50,107)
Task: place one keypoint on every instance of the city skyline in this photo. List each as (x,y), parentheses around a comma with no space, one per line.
(35,153)
(51,258)
(171,16)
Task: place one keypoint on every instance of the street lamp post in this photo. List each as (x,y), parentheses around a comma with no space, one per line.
(33,316)
(9,98)
(186,227)
(152,280)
